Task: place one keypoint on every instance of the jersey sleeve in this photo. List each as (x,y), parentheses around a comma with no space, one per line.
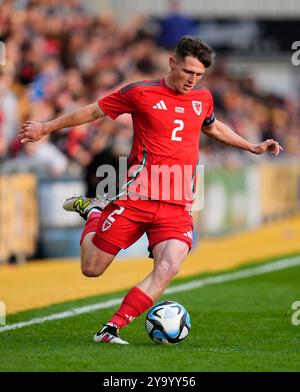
(210,115)
(119,102)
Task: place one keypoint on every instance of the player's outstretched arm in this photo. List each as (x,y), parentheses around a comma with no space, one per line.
(32,131)
(225,134)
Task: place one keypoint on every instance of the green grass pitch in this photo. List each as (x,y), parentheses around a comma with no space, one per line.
(241,325)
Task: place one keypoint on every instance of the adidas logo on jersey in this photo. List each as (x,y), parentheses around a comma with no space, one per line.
(160,105)
(189,234)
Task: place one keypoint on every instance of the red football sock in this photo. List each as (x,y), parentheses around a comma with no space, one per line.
(91,224)
(134,304)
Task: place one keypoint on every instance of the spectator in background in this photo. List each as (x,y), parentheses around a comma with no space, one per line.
(46,82)
(99,147)
(108,143)
(175,25)
(9,114)
(42,158)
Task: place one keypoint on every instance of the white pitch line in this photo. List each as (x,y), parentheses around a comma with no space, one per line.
(246,273)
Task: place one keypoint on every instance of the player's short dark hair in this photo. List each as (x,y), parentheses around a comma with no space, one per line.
(193,46)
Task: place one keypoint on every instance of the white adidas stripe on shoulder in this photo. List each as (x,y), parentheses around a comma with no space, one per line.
(160,105)
(163,105)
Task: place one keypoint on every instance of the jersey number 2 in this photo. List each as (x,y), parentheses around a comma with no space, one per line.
(177,129)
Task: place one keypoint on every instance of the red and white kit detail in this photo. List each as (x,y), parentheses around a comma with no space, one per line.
(123,222)
(167,128)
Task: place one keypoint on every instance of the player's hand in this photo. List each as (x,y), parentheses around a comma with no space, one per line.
(268,145)
(32,131)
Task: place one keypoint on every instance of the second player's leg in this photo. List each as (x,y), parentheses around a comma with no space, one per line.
(168,257)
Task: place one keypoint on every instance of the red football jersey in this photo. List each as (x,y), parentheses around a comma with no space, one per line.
(167,128)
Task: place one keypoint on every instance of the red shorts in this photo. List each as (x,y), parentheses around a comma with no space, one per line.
(123,222)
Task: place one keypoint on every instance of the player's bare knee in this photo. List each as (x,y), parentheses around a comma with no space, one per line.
(173,270)
(87,271)
(91,271)
(95,264)
(166,271)
(89,266)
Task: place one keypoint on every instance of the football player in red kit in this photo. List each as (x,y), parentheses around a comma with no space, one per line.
(168,116)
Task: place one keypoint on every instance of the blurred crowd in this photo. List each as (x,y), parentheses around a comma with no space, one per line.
(59,57)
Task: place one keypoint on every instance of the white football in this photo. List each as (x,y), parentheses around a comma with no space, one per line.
(168,322)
